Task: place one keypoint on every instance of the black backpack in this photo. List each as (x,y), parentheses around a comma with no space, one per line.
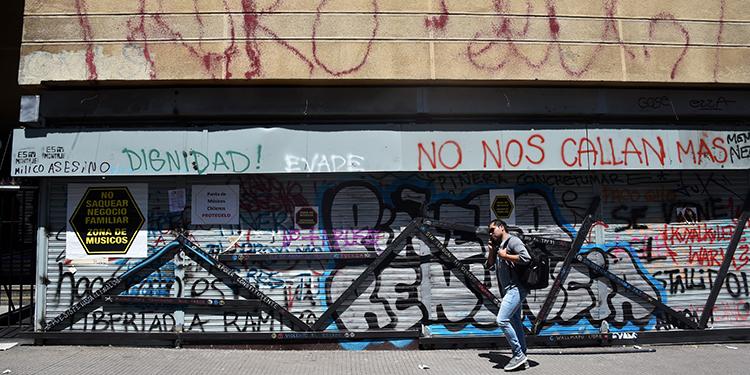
(534,275)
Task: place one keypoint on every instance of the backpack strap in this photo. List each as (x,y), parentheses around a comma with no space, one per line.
(504,245)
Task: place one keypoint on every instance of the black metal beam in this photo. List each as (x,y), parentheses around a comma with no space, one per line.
(681,318)
(184,303)
(458,268)
(583,231)
(419,227)
(612,338)
(114,286)
(573,246)
(484,341)
(255,298)
(483,233)
(349,257)
(572,340)
(728,256)
(107,338)
(376,102)
(361,283)
(301,336)
(230,278)
(16,316)
(547,242)
(112,337)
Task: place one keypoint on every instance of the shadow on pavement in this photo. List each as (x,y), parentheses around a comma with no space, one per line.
(500,360)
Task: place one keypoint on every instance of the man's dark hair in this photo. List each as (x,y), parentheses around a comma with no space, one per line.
(499,223)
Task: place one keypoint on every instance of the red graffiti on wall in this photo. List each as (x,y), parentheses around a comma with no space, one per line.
(490,50)
(449,155)
(263,193)
(506,37)
(724,311)
(601,151)
(83,21)
(506,33)
(703,243)
(668,19)
(513,152)
(146,26)
(438,22)
(592,233)
(368,49)
(719,37)
(714,152)
(610,151)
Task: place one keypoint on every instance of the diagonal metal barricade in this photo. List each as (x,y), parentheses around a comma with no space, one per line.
(116,285)
(113,287)
(630,288)
(109,293)
(244,288)
(419,227)
(562,275)
(571,256)
(574,247)
(361,283)
(461,271)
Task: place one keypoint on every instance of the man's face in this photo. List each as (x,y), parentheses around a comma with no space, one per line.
(496,231)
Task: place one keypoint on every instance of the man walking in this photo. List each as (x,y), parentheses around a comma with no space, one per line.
(507,252)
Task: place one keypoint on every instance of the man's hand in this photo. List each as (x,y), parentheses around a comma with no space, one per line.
(502,253)
(510,259)
(491,256)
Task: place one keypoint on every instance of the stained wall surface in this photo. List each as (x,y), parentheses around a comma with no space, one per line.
(686,41)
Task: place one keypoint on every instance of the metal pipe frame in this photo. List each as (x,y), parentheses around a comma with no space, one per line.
(419,227)
(728,256)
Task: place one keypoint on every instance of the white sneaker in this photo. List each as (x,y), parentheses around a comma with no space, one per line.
(516,362)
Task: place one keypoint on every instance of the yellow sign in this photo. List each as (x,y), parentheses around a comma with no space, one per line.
(107,220)
(502,206)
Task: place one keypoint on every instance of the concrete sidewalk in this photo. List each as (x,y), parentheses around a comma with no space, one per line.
(63,360)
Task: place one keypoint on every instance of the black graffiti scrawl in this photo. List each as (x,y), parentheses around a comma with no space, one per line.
(306,272)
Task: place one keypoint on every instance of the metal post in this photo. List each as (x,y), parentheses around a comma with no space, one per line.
(728,256)
(40,299)
(562,274)
(425,287)
(179,312)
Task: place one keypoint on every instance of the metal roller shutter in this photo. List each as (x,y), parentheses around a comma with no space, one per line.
(638,239)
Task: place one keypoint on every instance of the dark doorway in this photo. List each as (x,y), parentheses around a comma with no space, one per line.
(17,257)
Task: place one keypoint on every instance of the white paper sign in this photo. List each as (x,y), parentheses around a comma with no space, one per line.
(107,220)
(215,204)
(176,200)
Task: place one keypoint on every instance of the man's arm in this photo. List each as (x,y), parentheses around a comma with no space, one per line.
(503,253)
(520,253)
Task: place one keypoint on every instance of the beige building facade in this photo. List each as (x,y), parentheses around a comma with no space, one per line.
(302,171)
(687,41)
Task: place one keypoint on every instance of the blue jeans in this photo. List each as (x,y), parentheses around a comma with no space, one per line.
(510,321)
